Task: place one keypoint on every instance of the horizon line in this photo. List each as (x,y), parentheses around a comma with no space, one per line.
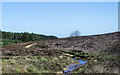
(62,37)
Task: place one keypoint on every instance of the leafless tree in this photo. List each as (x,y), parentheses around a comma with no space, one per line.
(75,33)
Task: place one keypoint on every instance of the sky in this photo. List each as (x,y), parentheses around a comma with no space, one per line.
(60,18)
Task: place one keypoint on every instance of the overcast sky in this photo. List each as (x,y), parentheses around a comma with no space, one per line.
(60,18)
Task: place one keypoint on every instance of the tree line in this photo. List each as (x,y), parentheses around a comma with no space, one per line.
(25,36)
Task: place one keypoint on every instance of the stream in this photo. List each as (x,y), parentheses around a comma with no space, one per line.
(69,69)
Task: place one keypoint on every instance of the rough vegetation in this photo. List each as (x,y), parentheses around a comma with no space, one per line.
(52,56)
(90,44)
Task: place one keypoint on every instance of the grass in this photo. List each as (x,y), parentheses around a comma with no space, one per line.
(78,54)
(36,64)
(55,61)
(101,63)
(8,60)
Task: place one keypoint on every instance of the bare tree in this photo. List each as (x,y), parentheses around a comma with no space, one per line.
(75,33)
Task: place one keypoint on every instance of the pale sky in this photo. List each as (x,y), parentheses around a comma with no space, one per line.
(60,18)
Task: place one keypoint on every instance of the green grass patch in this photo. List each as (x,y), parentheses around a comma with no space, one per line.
(8,41)
(5,60)
(18,70)
(43,59)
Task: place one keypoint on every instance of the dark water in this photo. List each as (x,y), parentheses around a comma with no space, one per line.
(80,61)
(73,66)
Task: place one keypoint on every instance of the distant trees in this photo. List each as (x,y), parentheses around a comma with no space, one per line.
(25,37)
(75,33)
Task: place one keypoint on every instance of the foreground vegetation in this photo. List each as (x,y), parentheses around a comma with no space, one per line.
(51,60)
(35,64)
(46,63)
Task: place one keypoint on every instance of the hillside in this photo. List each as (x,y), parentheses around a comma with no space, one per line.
(52,56)
(86,43)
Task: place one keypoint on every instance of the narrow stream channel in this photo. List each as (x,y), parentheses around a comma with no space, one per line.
(69,69)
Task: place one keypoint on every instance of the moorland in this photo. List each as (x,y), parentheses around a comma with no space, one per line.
(49,54)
